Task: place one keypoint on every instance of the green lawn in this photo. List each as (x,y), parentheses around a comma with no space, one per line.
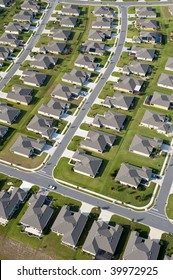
(169,207)
(5,180)
(166,243)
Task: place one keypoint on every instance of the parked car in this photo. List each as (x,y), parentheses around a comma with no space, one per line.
(52,187)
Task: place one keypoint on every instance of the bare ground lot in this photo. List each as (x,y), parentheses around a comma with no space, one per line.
(13,250)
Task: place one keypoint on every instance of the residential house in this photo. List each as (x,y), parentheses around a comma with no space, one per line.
(158,122)
(16,28)
(147,24)
(94,48)
(38,215)
(148,37)
(99,35)
(27,147)
(10,40)
(165,81)
(5,3)
(142,53)
(54,109)
(119,101)
(85,164)
(9,203)
(5,53)
(129,84)
(139,248)
(76,77)
(42,125)
(54,48)
(3,131)
(23,16)
(30,6)
(87,62)
(8,114)
(68,22)
(103,11)
(133,176)
(137,68)
(169,64)
(70,225)
(145,146)
(145,12)
(98,141)
(65,93)
(162,101)
(69,10)
(102,240)
(33,78)
(110,120)
(20,94)
(43,62)
(59,34)
(102,23)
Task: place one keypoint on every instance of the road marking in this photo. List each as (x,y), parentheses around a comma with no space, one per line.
(159,216)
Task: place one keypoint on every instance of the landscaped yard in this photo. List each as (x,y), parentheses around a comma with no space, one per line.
(169,207)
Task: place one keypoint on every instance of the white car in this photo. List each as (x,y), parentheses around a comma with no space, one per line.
(52,187)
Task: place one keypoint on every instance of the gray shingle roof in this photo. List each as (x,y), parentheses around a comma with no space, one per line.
(30,5)
(4,53)
(169,64)
(53,47)
(102,22)
(148,37)
(136,68)
(139,248)
(129,84)
(145,12)
(3,131)
(87,62)
(8,114)
(70,10)
(23,16)
(142,53)
(42,125)
(9,39)
(68,21)
(98,35)
(59,34)
(166,81)
(93,47)
(147,23)
(55,108)
(43,61)
(161,99)
(102,237)
(119,100)
(103,11)
(5,3)
(77,77)
(33,78)
(65,92)
(20,94)
(110,120)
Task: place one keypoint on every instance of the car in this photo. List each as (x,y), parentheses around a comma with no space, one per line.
(52,187)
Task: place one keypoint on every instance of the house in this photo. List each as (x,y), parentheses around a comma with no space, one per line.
(54,109)
(98,141)
(68,22)
(145,146)
(170,9)
(3,131)
(59,34)
(65,93)
(87,62)
(162,101)
(16,28)
(70,225)
(10,40)
(33,78)
(148,37)
(5,3)
(30,6)
(142,53)
(5,53)
(20,94)
(137,68)
(99,35)
(69,10)
(102,11)
(147,24)
(102,23)
(156,121)
(27,147)
(169,64)
(8,114)
(139,248)
(145,12)
(38,215)
(43,62)
(133,176)
(23,16)
(85,164)
(129,84)
(54,48)
(76,77)
(165,81)
(110,120)
(9,203)
(102,240)
(119,101)
(42,125)
(95,48)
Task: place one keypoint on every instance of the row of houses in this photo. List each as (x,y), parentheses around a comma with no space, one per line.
(102,239)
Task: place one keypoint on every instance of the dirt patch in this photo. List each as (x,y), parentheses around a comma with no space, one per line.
(13,250)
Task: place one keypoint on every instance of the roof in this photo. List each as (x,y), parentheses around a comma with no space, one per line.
(87,62)
(16,27)
(69,224)
(38,214)
(7,113)
(20,94)
(147,23)
(53,47)
(60,34)
(27,145)
(102,238)
(119,100)
(4,3)
(137,68)
(68,21)
(30,5)
(23,16)
(99,35)
(161,99)
(43,61)
(33,77)
(4,52)
(142,53)
(98,140)
(144,145)
(110,119)
(54,107)
(9,39)
(70,9)
(9,200)
(102,22)
(103,11)
(153,37)
(129,83)
(169,63)
(93,47)
(145,12)
(65,92)
(3,131)
(86,164)
(139,248)
(157,120)
(132,175)
(42,125)
(165,80)
(76,76)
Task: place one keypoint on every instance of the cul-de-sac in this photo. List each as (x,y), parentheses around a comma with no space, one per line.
(86,130)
